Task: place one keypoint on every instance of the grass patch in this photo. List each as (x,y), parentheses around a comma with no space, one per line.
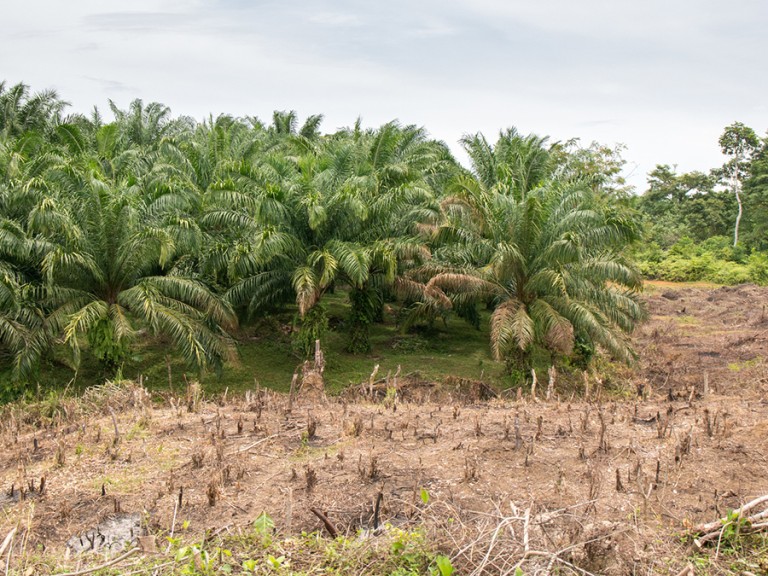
(739,366)
(267,358)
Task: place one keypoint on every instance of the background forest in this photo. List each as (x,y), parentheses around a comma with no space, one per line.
(154,243)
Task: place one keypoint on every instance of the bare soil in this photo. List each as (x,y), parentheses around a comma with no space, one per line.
(607,484)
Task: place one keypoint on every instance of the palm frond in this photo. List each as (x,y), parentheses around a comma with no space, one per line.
(81,321)
(354,261)
(305,285)
(463,284)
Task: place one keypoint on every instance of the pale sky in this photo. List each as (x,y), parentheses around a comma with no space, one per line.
(662,77)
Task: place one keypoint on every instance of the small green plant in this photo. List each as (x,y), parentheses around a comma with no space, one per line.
(443,566)
(733,527)
(391,397)
(277,562)
(196,560)
(264,527)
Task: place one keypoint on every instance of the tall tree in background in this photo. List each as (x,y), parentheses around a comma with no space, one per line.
(739,142)
(679,205)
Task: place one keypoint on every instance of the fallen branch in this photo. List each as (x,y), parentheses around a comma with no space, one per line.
(748,523)
(327,523)
(7,541)
(254,444)
(705,528)
(112,562)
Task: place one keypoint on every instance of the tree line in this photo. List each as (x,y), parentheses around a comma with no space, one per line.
(713,225)
(114,232)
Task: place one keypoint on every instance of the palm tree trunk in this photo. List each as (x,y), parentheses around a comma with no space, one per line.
(360,321)
(519,361)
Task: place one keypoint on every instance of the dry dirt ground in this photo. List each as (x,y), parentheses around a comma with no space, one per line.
(603,485)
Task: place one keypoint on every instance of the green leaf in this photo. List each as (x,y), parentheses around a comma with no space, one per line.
(444,565)
(424,496)
(264,524)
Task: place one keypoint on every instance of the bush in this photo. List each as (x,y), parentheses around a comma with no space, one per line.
(729,273)
(757,264)
(714,260)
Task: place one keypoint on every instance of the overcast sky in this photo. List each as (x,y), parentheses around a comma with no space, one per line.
(662,77)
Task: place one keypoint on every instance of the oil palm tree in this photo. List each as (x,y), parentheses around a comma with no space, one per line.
(397,186)
(541,249)
(292,245)
(21,111)
(22,330)
(345,211)
(109,277)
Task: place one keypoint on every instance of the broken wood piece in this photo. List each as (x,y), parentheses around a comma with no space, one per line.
(7,541)
(148,544)
(687,571)
(112,562)
(326,522)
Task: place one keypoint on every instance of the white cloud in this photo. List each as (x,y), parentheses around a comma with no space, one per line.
(335,19)
(662,77)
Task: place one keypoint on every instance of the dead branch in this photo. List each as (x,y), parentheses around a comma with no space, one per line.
(7,540)
(714,530)
(326,522)
(112,562)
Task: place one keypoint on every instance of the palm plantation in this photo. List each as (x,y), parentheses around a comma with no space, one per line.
(117,236)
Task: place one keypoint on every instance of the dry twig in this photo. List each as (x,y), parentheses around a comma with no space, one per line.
(112,562)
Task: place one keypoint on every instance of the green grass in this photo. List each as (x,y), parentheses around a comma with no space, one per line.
(266,357)
(451,349)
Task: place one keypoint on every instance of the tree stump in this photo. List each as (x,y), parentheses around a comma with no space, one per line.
(312,381)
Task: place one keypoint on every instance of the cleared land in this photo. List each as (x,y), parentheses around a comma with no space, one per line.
(607,484)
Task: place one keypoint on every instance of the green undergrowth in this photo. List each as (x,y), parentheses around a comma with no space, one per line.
(737,551)
(259,549)
(714,260)
(267,357)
